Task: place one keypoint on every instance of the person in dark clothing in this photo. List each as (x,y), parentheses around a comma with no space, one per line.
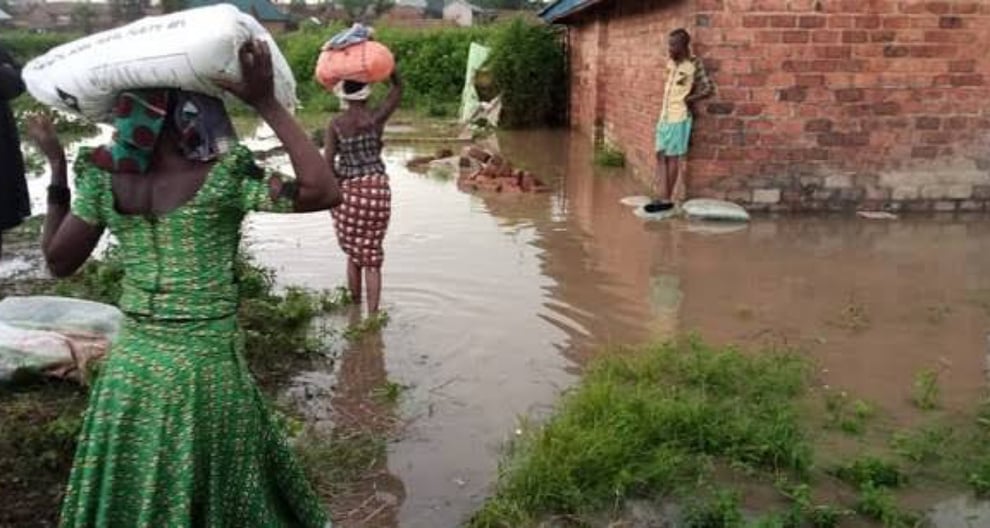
(15,205)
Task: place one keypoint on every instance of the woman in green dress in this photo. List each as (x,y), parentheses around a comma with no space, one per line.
(177,433)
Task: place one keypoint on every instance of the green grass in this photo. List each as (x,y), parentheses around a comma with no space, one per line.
(370,325)
(721,510)
(609,156)
(69,128)
(926,390)
(666,423)
(922,446)
(649,424)
(872,471)
(390,392)
(39,421)
(804,509)
(337,461)
(878,503)
(845,414)
(979,477)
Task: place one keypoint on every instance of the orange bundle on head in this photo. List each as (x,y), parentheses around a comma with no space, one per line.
(366,62)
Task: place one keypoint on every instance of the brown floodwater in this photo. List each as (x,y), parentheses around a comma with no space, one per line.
(495,303)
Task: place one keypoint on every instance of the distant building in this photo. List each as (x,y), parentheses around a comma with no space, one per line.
(61,16)
(405,11)
(270,16)
(5,19)
(466,14)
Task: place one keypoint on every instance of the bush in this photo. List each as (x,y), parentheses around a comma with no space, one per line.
(24,45)
(609,156)
(527,66)
(529,69)
(432,64)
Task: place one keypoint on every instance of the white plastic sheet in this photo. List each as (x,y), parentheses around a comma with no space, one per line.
(39,332)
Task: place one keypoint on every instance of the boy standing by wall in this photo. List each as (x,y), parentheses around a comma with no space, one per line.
(687,83)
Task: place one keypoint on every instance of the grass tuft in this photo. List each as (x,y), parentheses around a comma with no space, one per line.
(647,424)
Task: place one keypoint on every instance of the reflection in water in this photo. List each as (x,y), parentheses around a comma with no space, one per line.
(491,300)
(360,409)
(495,300)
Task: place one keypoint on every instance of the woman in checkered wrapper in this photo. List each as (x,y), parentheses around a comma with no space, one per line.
(353,150)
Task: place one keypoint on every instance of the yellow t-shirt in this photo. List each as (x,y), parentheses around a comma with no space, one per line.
(680,82)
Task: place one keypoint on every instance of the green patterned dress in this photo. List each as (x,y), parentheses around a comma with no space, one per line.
(177,433)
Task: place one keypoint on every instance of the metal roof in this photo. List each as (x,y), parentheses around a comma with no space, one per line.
(263,10)
(565,8)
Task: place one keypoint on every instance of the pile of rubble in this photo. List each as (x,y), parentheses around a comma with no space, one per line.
(495,174)
(480,170)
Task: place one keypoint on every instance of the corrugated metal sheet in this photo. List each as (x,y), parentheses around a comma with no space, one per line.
(563,8)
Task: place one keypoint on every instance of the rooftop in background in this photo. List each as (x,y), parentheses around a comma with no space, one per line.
(565,8)
(263,10)
(4,17)
(465,3)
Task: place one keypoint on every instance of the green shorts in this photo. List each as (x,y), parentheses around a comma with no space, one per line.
(673,138)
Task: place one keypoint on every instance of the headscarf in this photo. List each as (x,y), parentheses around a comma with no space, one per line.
(140,116)
(361,95)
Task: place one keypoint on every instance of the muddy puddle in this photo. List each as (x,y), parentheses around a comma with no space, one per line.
(496,302)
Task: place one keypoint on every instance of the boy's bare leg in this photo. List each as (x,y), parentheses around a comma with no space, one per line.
(670,184)
(660,190)
(679,192)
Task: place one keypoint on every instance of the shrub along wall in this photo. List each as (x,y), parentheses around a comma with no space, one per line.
(527,64)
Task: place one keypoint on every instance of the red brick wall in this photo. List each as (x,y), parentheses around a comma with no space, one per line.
(583,66)
(823,104)
(618,57)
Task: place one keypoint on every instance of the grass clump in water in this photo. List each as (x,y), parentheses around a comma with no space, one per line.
(923,446)
(370,325)
(926,390)
(651,424)
(845,414)
(853,317)
(337,461)
(871,471)
(721,510)
(390,392)
(979,478)
(804,511)
(609,156)
(878,503)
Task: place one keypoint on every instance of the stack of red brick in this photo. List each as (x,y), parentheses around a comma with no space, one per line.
(495,174)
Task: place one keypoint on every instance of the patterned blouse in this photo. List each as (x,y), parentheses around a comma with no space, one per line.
(359,155)
(180,265)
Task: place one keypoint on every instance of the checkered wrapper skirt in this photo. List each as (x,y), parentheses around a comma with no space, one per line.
(362,219)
